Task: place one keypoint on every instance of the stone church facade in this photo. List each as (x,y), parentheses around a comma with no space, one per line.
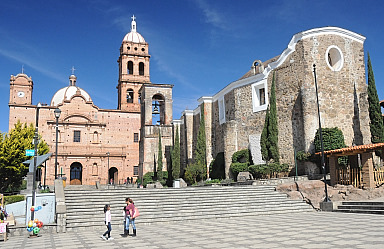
(234,117)
(96,144)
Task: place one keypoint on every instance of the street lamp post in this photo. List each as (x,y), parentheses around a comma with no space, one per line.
(57,116)
(108,168)
(35,142)
(321,139)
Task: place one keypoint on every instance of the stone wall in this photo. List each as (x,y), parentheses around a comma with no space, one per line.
(342,97)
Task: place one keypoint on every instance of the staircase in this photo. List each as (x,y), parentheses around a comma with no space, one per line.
(366,207)
(85,207)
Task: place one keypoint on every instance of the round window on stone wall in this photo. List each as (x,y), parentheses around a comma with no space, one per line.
(334,58)
(135,48)
(143,49)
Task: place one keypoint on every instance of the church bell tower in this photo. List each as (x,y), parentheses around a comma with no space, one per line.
(133,69)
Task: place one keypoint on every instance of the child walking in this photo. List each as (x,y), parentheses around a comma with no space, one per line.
(107,211)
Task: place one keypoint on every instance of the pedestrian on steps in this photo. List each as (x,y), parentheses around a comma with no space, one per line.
(130,212)
(107,212)
(126,219)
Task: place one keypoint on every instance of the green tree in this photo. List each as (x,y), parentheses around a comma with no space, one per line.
(376,125)
(200,151)
(12,155)
(176,156)
(270,135)
(197,170)
(160,160)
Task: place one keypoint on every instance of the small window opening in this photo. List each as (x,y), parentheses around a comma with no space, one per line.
(129,96)
(262,96)
(141,68)
(130,67)
(76,136)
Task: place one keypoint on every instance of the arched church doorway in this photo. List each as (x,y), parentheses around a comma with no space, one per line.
(113,176)
(76,173)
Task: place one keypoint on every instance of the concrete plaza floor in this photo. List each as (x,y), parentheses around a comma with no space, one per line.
(293,230)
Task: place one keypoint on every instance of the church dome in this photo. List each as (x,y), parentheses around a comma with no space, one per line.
(134,36)
(68,92)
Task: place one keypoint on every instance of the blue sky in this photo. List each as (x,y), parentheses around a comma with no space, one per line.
(199,46)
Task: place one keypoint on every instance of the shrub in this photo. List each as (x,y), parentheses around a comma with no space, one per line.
(148,178)
(213,181)
(236,168)
(241,156)
(303,156)
(193,173)
(333,138)
(266,171)
(217,167)
(13,198)
(259,171)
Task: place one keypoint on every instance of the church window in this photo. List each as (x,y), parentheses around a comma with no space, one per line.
(76,136)
(259,96)
(135,48)
(95,169)
(135,170)
(58,136)
(95,137)
(130,67)
(129,48)
(262,96)
(221,111)
(136,137)
(141,68)
(143,49)
(129,96)
(334,58)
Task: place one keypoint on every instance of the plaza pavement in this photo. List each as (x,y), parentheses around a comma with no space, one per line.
(293,230)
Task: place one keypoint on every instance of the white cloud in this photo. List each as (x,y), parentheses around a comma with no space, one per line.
(23,60)
(212,16)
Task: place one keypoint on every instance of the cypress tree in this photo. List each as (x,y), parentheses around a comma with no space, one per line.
(200,151)
(176,156)
(160,160)
(270,134)
(264,138)
(376,125)
(273,130)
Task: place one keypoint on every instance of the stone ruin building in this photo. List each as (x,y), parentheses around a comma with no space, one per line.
(234,117)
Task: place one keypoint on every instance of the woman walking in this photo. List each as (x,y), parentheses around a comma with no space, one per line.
(107,211)
(131,215)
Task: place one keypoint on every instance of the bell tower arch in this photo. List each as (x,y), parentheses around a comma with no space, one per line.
(156,123)
(133,69)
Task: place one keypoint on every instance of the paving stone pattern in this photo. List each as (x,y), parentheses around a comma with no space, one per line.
(294,230)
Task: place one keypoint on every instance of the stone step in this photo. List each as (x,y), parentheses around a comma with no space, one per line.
(173,217)
(85,207)
(185,204)
(363,203)
(161,199)
(362,211)
(366,207)
(151,210)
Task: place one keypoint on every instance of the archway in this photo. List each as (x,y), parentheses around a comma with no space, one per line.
(76,173)
(113,177)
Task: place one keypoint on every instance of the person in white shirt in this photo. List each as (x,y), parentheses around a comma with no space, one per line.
(107,211)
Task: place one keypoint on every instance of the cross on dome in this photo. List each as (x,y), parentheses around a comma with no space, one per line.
(73,70)
(133,24)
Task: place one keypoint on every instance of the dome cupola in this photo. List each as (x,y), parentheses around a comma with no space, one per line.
(66,93)
(134,36)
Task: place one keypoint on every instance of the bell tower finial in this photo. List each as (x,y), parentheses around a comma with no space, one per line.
(133,24)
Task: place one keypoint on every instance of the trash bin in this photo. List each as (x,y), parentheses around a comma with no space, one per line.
(176,183)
